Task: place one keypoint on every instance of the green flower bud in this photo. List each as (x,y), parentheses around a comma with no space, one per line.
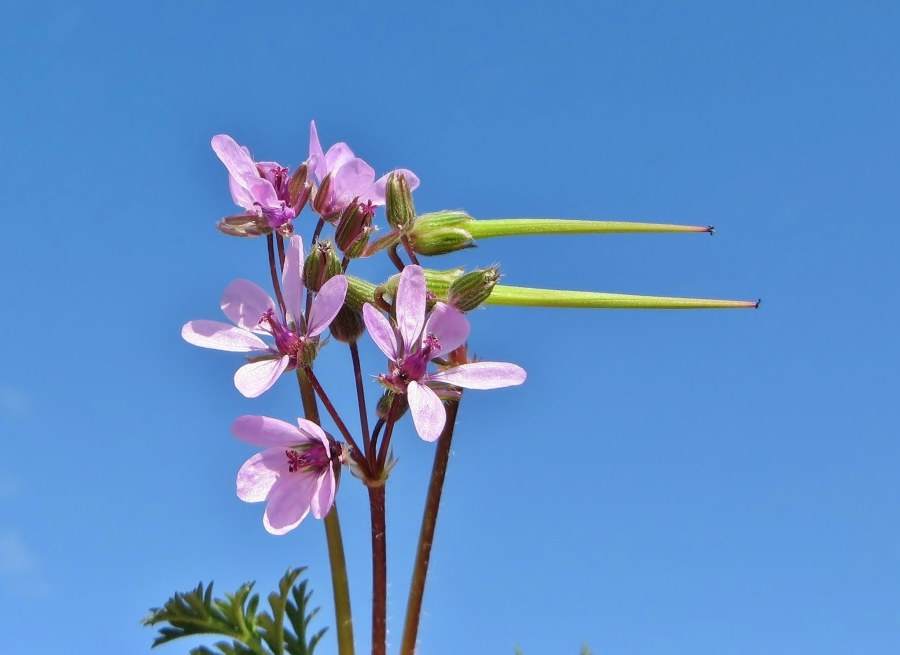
(398,202)
(383,409)
(471,289)
(348,325)
(321,265)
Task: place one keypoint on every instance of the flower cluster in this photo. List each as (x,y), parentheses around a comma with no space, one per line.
(297,473)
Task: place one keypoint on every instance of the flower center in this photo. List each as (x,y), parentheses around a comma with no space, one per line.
(287,341)
(413,366)
(312,457)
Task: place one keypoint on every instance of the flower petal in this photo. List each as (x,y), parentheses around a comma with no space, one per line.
(236,159)
(259,474)
(316,160)
(292,278)
(410,305)
(482,375)
(378,191)
(245,303)
(449,325)
(352,179)
(221,336)
(270,432)
(338,156)
(381,332)
(326,304)
(288,501)
(323,498)
(255,378)
(428,413)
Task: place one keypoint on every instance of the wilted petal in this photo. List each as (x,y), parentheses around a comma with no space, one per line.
(378,191)
(428,413)
(270,432)
(256,378)
(221,336)
(288,501)
(381,332)
(482,375)
(450,327)
(292,277)
(410,305)
(259,473)
(245,303)
(323,498)
(326,304)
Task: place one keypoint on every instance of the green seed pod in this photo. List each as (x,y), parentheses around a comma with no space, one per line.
(398,202)
(470,290)
(321,265)
(348,325)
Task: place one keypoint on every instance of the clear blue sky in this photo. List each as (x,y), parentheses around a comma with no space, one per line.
(707,482)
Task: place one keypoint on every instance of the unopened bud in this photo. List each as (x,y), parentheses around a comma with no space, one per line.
(298,190)
(383,410)
(470,290)
(353,228)
(321,203)
(348,325)
(244,225)
(398,202)
(321,265)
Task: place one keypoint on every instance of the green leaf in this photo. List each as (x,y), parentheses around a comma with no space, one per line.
(197,612)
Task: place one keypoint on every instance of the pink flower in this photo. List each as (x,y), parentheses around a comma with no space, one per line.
(253,313)
(349,178)
(419,337)
(261,188)
(294,475)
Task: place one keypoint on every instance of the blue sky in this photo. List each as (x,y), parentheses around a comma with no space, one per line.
(698,482)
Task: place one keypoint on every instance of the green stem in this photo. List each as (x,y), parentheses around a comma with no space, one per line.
(343,617)
(426,534)
(502,227)
(528,297)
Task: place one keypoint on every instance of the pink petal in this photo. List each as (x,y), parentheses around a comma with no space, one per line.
(428,413)
(339,155)
(236,159)
(289,500)
(241,196)
(259,474)
(323,498)
(327,304)
(381,332)
(292,278)
(482,375)
(378,191)
(410,305)
(255,378)
(450,327)
(316,159)
(221,336)
(244,303)
(271,433)
(354,178)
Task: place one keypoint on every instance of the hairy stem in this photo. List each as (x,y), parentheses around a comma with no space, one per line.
(426,534)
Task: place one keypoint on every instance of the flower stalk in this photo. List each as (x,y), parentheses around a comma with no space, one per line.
(426,533)
(503,227)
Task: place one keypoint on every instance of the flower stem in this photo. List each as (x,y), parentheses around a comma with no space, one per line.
(360,395)
(314,382)
(273,269)
(484,229)
(343,617)
(426,534)
(379,571)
